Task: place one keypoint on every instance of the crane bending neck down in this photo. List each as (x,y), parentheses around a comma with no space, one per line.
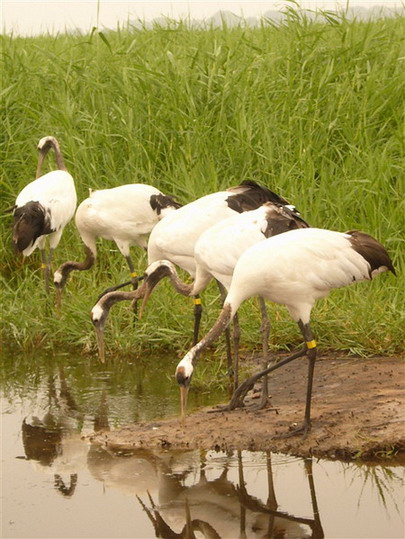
(292,269)
(213,254)
(125,214)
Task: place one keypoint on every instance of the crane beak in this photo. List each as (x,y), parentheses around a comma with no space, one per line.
(183,403)
(100,344)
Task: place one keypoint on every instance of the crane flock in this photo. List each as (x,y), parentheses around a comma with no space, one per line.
(247,238)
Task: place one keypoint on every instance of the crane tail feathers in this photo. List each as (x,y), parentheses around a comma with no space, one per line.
(372,251)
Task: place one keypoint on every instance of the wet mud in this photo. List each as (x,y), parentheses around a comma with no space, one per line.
(358,411)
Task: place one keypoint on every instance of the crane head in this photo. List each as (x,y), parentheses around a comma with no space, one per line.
(184,373)
(59,281)
(99,316)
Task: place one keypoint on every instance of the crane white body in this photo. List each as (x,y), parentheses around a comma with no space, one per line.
(56,193)
(293,269)
(125,214)
(174,238)
(297,268)
(122,214)
(219,248)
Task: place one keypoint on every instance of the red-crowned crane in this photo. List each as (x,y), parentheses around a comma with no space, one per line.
(175,236)
(216,252)
(125,214)
(44,207)
(293,269)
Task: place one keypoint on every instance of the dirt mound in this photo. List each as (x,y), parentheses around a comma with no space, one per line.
(358,410)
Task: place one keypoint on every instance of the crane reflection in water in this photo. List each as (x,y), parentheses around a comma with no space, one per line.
(52,441)
(220,508)
(182,493)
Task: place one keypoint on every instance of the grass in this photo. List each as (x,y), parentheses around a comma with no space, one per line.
(313,110)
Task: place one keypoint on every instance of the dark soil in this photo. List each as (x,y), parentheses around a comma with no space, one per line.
(358,411)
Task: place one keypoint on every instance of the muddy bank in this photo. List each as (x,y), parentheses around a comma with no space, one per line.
(358,411)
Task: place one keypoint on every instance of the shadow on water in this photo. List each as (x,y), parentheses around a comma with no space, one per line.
(166,493)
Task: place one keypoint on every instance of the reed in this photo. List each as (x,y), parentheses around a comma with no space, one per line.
(314,110)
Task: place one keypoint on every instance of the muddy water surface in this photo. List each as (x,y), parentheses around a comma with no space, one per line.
(56,485)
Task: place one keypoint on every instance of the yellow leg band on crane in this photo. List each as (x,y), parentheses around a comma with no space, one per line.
(197,301)
(134,274)
(311,344)
(44,266)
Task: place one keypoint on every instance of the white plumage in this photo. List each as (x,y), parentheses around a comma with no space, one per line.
(124,214)
(55,192)
(293,269)
(219,248)
(216,253)
(175,236)
(44,207)
(297,268)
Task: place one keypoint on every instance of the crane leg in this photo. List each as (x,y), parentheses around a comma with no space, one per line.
(231,371)
(311,354)
(310,351)
(236,340)
(197,318)
(134,280)
(241,392)
(45,265)
(265,331)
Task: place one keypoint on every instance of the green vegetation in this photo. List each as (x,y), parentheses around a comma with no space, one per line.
(313,110)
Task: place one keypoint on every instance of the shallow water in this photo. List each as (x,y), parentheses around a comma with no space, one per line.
(56,485)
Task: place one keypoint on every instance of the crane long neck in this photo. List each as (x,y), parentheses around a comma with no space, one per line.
(180,286)
(51,143)
(219,327)
(168,270)
(107,301)
(58,155)
(72,265)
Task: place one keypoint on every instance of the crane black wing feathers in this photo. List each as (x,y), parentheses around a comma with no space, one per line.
(371,250)
(249,195)
(30,222)
(282,216)
(281,219)
(161,201)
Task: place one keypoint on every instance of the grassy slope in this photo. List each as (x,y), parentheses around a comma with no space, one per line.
(314,111)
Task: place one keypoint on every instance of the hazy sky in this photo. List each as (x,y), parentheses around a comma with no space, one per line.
(32,17)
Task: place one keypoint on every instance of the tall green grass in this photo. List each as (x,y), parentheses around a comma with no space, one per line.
(314,110)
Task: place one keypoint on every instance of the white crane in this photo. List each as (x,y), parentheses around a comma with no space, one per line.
(216,253)
(44,207)
(293,269)
(125,214)
(175,236)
